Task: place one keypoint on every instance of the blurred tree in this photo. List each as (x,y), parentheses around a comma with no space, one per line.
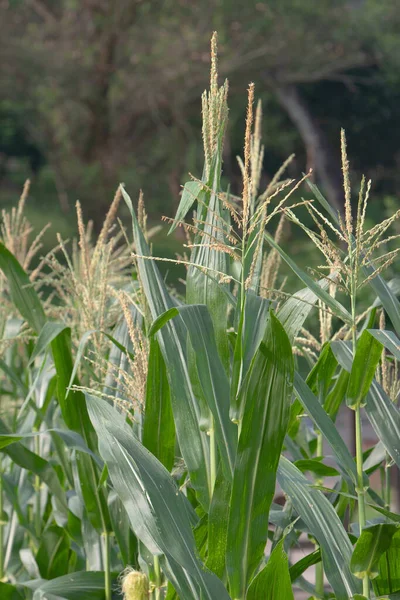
(110,88)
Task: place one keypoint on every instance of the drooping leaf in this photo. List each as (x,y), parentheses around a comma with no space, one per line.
(159,513)
(268,392)
(324,524)
(75,586)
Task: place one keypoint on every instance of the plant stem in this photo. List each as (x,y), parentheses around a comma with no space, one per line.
(157,572)
(359,450)
(107,567)
(360,488)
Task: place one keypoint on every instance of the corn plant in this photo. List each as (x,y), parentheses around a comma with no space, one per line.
(153,434)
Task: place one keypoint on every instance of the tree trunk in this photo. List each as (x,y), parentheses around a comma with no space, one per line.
(320,157)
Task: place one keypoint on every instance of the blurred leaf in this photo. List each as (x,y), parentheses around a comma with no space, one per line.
(371,545)
(296,309)
(47,334)
(365,362)
(52,556)
(22,292)
(10,592)
(266,412)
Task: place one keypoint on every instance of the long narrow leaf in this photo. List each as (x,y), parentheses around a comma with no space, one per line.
(324,524)
(268,392)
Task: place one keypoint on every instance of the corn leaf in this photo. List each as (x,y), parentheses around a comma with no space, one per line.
(324,524)
(158,423)
(365,362)
(373,542)
(314,286)
(382,413)
(325,424)
(268,393)
(159,513)
(193,442)
(388,580)
(273,582)
(387,339)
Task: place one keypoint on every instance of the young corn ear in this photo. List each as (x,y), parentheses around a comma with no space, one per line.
(135,585)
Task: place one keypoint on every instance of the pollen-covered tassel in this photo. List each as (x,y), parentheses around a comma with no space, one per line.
(135,585)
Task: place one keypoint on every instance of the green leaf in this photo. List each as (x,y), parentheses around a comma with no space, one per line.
(388,580)
(371,545)
(53,554)
(387,339)
(22,292)
(75,586)
(9,592)
(321,293)
(160,321)
(365,362)
(304,563)
(273,582)
(213,380)
(267,401)
(193,442)
(159,513)
(316,467)
(324,524)
(47,334)
(218,526)
(296,309)
(325,424)
(158,422)
(191,191)
(382,413)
